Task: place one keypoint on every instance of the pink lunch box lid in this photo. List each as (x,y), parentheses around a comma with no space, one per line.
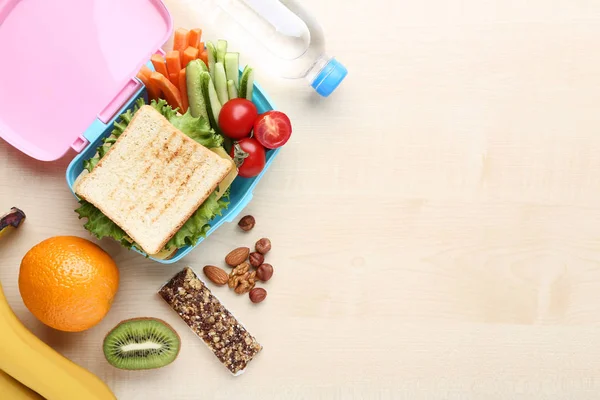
(66,63)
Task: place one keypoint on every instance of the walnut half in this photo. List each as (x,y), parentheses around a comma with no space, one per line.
(241,279)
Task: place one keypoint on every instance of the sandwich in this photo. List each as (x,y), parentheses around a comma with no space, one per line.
(157,181)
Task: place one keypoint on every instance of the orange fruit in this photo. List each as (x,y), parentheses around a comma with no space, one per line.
(68,283)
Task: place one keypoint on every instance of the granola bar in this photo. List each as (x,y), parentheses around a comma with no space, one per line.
(210,320)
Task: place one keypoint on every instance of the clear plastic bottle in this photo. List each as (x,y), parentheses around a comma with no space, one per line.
(281,34)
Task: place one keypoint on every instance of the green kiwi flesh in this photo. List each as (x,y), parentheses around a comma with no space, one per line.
(141,343)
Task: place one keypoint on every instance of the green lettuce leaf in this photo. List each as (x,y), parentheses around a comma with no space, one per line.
(197,128)
(100,225)
(197,226)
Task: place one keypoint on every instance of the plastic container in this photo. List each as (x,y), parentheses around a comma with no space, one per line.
(71,74)
(281,35)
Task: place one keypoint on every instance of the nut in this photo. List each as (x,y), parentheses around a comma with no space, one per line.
(247,223)
(237,256)
(263,246)
(216,275)
(241,279)
(257,295)
(237,273)
(256,259)
(264,272)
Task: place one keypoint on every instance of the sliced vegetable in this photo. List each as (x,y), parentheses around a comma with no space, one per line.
(183,90)
(272,129)
(237,118)
(203,65)
(151,88)
(173,62)
(247,83)
(191,53)
(170,91)
(194,38)
(174,79)
(231,89)
(221,82)
(232,67)
(212,58)
(180,41)
(201,46)
(204,57)
(159,64)
(213,106)
(197,102)
(221,50)
(249,156)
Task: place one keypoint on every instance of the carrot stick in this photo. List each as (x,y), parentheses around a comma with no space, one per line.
(158,62)
(151,88)
(191,53)
(145,71)
(173,62)
(204,57)
(194,38)
(201,47)
(180,40)
(174,78)
(169,90)
(183,90)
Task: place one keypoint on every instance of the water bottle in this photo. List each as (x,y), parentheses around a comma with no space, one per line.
(279,34)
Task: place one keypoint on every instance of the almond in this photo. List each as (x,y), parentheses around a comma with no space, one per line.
(237,256)
(216,275)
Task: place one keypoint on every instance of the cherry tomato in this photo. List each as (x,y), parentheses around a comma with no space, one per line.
(272,129)
(252,156)
(237,118)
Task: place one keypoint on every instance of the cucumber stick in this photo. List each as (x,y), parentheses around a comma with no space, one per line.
(231,89)
(232,67)
(203,66)
(194,89)
(221,50)
(247,83)
(221,82)
(212,58)
(213,105)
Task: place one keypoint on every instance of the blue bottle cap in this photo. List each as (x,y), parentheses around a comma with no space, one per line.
(329,78)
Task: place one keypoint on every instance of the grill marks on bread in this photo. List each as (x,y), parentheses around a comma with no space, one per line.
(153,179)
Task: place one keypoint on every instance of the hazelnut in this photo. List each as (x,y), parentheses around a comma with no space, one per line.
(247,223)
(264,272)
(257,295)
(263,246)
(256,259)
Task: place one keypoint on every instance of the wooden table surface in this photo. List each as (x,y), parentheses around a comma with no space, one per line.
(435,223)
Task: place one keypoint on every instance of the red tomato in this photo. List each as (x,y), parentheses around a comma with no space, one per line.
(252,156)
(273,129)
(237,118)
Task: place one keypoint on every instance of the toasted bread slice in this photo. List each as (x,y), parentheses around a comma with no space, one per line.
(152,179)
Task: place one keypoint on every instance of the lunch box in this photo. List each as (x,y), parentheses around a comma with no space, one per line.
(71,72)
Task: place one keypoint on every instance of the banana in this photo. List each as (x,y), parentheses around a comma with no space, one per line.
(37,366)
(12,220)
(13,389)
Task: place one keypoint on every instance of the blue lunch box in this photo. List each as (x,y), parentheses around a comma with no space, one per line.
(241,189)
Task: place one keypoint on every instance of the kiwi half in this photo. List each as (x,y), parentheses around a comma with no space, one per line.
(141,343)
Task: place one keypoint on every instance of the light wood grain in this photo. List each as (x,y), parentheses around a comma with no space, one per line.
(435,223)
